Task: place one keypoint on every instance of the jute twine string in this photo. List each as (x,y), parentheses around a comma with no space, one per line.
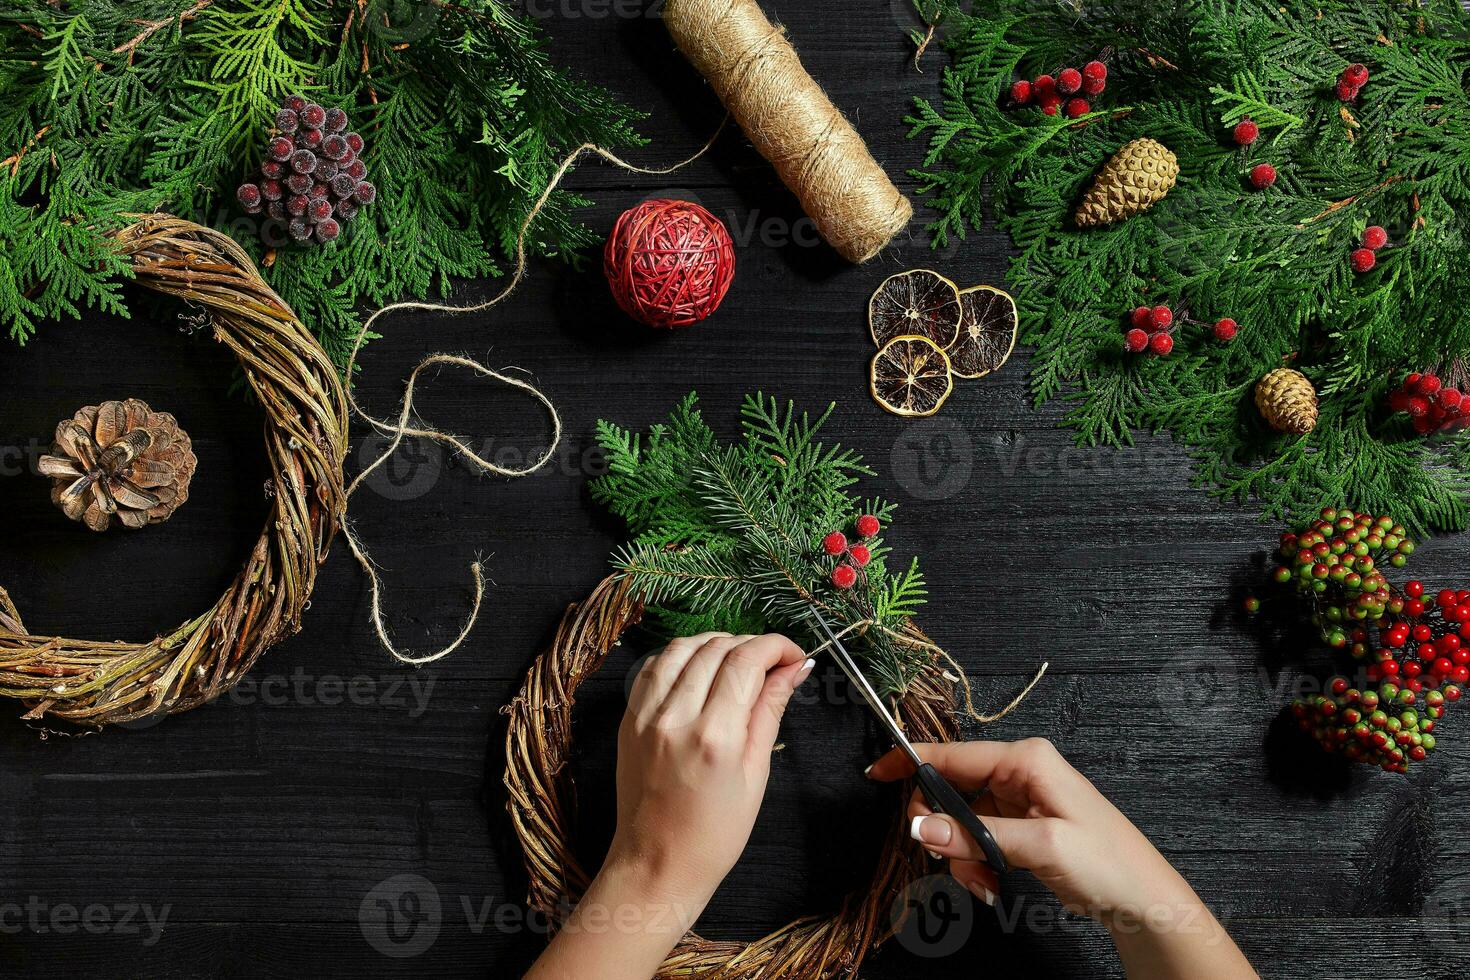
(542,807)
(399,429)
(817,153)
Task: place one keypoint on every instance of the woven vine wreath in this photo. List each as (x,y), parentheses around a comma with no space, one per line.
(101,683)
(542,803)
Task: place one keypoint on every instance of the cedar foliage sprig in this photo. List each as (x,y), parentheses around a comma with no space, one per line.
(113,107)
(1276,261)
(729,537)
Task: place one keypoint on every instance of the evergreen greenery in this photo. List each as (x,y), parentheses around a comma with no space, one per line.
(112,107)
(1184,72)
(729,537)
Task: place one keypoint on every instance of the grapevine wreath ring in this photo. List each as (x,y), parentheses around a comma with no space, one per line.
(542,803)
(293,379)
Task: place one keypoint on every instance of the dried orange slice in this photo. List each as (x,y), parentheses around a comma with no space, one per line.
(917,303)
(910,376)
(987,332)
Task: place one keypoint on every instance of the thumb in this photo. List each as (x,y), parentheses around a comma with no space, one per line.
(770,705)
(1027,842)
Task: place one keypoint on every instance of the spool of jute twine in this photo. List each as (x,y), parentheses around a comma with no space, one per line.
(815,150)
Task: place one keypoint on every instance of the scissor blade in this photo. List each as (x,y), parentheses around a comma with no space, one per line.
(857,679)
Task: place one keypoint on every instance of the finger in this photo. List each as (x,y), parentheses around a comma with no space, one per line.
(735,692)
(770,708)
(979,879)
(660,671)
(1026,843)
(919,807)
(685,702)
(1010,769)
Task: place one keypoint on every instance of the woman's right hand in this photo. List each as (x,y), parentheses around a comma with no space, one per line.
(1050,820)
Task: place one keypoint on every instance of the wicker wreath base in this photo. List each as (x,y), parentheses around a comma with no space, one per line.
(538,746)
(295,382)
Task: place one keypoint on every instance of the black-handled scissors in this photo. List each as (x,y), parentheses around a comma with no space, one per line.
(942,797)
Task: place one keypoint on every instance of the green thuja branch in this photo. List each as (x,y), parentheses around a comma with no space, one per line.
(1276,261)
(117,107)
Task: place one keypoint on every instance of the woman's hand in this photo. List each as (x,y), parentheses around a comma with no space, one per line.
(694,755)
(1050,820)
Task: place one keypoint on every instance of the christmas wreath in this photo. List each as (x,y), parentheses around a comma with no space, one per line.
(1242,223)
(298,388)
(120,107)
(745,537)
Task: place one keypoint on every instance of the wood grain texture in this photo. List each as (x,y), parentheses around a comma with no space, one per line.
(265,822)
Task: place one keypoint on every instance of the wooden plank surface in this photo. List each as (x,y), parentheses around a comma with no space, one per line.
(262,824)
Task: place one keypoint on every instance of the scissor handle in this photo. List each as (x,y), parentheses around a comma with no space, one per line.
(944,798)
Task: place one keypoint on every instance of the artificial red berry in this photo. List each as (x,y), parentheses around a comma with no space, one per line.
(844,576)
(1051,103)
(1459,675)
(860,555)
(1043,85)
(868,526)
(1225,329)
(835,543)
(1136,341)
(248,195)
(1141,317)
(1423,633)
(1263,175)
(1160,317)
(1021,92)
(1451,398)
(1363,259)
(1069,81)
(1346,90)
(1446,598)
(1093,86)
(1077,107)
(1161,344)
(1428,384)
(1355,74)
(1374,237)
(1246,131)
(1414,588)
(1095,71)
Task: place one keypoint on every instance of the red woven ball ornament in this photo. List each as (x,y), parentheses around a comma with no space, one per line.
(669,263)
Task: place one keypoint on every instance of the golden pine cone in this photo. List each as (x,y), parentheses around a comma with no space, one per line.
(120,461)
(1135,179)
(1287,401)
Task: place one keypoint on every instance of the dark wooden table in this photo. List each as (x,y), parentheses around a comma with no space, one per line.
(256,830)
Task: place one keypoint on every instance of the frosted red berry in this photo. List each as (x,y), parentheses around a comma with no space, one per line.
(1140,317)
(1374,237)
(365,193)
(1346,91)
(327,229)
(844,576)
(860,555)
(868,526)
(313,115)
(835,543)
(1095,71)
(1043,85)
(335,121)
(1093,86)
(248,194)
(1160,317)
(281,148)
(1077,107)
(1021,92)
(1051,104)
(1225,329)
(1069,81)
(1355,74)
(1263,175)
(311,177)
(1136,340)
(1161,344)
(1246,132)
(1363,259)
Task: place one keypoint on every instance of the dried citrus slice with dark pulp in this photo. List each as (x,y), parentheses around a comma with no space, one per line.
(987,332)
(917,303)
(910,376)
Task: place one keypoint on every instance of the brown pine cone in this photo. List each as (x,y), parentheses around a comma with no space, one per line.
(1134,180)
(120,462)
(1287,401)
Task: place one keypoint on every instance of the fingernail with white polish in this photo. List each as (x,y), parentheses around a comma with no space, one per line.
(934,854)
(981,892)
(869,771)
(806,669)
(930,830)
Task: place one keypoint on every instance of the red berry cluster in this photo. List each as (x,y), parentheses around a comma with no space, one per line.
(1351,81)
(845,574)
(1069,84)
(1431,404)
(1150,330)
(1364,257)
(1422,651)
(313,177)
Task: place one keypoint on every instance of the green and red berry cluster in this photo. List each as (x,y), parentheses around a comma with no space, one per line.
(1070,86)
(1432,405)
(851,558)
(1422,651)
(313,179)
(1151,330)
(1351,82)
